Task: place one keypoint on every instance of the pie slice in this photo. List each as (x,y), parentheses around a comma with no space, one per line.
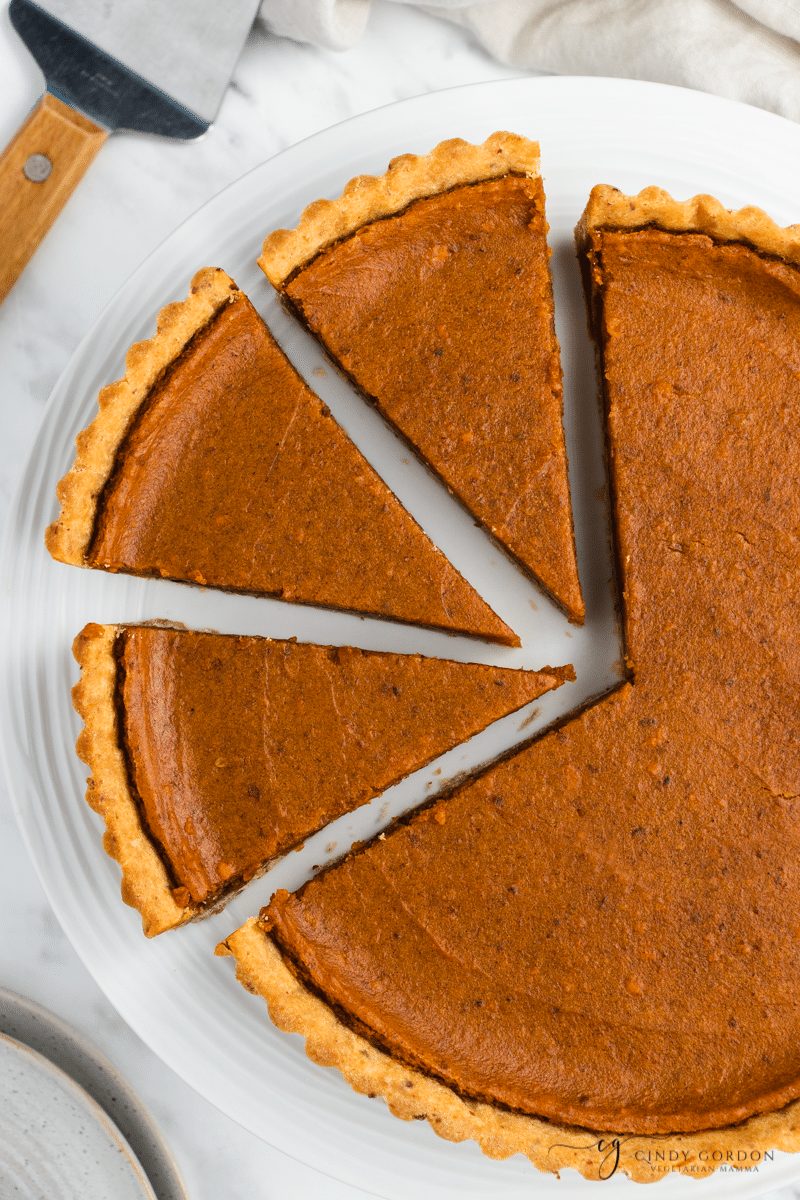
(430,288)
(213,755)
(590,952)
(213,463)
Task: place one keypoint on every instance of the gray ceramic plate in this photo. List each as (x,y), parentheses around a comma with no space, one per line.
(71,1126)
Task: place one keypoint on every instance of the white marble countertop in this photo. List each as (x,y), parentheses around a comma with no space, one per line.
(137,192)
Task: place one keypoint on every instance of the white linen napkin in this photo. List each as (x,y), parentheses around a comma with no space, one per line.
(746,50)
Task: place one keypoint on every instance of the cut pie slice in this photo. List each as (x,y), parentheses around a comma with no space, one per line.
(430,287)
(212,755)
(212,462)
(596,939)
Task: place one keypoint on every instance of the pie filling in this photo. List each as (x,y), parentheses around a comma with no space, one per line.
(443,317)
(238,748)
(602,930)
(234,475)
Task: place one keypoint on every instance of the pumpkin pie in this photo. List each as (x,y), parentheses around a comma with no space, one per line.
(213,463)
(592,948)
(213,755)
(430,289)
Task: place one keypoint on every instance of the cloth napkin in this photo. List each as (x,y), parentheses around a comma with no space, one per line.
(748,50)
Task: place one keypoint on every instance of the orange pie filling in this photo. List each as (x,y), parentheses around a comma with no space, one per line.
(602,930)
(238,748)
(443,316)
(230,472)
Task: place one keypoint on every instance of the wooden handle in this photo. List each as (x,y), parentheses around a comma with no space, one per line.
(38,170)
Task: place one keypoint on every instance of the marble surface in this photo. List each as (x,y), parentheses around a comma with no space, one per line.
(136,193)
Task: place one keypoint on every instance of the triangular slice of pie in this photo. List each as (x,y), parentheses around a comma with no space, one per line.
(589,953)
(212,755)
(212,462)
(430,288)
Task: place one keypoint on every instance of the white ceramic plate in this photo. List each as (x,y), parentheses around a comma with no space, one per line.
(182,1002)
(40,1030)
(55,1141)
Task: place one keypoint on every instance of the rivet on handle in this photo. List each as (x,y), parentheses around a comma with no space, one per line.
(37,168)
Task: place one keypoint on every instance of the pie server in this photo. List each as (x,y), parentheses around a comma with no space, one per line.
(153,66)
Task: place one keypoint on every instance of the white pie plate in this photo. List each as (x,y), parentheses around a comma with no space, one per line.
(181,1001)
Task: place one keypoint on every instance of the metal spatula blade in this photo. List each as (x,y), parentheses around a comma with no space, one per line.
(154,66)
(96,84)
(183,49)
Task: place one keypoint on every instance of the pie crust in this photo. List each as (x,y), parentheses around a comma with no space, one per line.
(370,197)
(69,537)
(145,883)
(608,208)
(500,1133)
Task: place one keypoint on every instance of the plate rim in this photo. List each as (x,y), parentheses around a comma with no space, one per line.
(35,1026)
(88,1105)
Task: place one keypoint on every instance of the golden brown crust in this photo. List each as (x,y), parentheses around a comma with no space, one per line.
(145,883)
(412,1095)
(69,536)
(608,208)
(409,177)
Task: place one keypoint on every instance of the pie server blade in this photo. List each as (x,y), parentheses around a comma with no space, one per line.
(153,66)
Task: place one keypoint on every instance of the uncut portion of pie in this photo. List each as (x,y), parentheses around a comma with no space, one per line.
(212,755)
(213,463)
(599,936)
(430,288)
